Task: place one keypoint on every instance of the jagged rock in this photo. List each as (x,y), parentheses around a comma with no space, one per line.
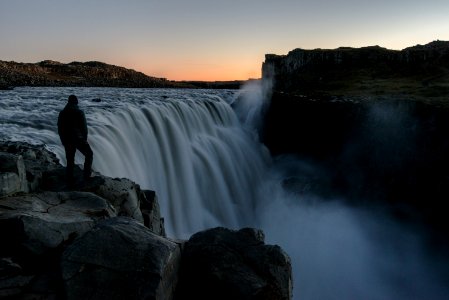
(41,222)
(43,172)
(224,264)
(123,194)
(121,259)
(149,206)
(12,174)
(36,159)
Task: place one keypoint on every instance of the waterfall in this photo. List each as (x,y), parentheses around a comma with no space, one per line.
(208,170)
(194,154)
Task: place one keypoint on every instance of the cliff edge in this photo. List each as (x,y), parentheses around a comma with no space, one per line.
(420,72)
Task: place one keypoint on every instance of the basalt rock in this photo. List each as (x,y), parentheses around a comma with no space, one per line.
(121,259)
(104,239)
(418,72)
(224,264)
(36,227)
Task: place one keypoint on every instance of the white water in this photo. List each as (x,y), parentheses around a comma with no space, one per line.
(189,146)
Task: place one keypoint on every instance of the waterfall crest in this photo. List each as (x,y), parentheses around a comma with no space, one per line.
(193,153)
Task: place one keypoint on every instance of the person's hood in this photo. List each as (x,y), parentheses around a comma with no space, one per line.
(71,106)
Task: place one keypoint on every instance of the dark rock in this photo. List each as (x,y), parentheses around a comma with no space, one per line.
(12,287)
(36,159)
(419,71)
(121,259)
(96,100)
(65,241)
(41,222)
(12,174)
(224,264)
(8,268)
(149,206)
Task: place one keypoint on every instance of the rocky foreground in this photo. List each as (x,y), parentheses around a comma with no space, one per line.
(105,239)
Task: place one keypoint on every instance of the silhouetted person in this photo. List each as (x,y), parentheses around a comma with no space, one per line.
(72,129)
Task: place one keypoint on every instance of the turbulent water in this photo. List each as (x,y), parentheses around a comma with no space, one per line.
(203,159)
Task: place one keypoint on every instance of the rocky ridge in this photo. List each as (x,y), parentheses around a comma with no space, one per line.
(105,239)
(92,73)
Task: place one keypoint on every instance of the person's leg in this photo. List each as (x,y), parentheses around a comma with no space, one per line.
(70,157)
(85,149)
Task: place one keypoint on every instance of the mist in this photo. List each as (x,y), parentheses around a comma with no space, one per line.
(340,249)
(343,252)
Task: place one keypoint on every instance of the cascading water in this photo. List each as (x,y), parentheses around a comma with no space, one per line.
(189,146)
(192,152)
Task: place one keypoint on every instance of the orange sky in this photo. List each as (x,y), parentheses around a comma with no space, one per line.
(208,39)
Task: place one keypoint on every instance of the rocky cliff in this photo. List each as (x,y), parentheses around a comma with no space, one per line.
(93,73)
(419,71)
(105,239)
(374,121)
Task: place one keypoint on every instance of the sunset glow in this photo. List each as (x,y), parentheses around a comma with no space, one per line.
(208,40)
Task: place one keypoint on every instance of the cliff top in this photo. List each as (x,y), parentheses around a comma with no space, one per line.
(420,72)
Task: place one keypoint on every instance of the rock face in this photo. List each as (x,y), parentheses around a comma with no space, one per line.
(420,71)
(93,73)
(100,239)
(12,174)
(224,264)
(139,265)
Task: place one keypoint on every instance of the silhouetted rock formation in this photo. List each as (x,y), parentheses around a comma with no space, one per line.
(93,73)
(419,71)
(101,239)
(225,264)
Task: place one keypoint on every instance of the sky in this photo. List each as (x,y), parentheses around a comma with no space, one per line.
(208,39)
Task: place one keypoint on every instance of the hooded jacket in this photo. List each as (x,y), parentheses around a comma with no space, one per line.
(72,126)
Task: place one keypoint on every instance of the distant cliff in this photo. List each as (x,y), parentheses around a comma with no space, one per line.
(93,73)
(375,120)
(421,71)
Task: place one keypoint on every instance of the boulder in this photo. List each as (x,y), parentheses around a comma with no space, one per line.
(36,158)
(123,194)
(221,263)
(120,259)
(41,222)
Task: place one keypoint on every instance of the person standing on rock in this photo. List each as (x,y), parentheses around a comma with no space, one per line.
(72,129)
